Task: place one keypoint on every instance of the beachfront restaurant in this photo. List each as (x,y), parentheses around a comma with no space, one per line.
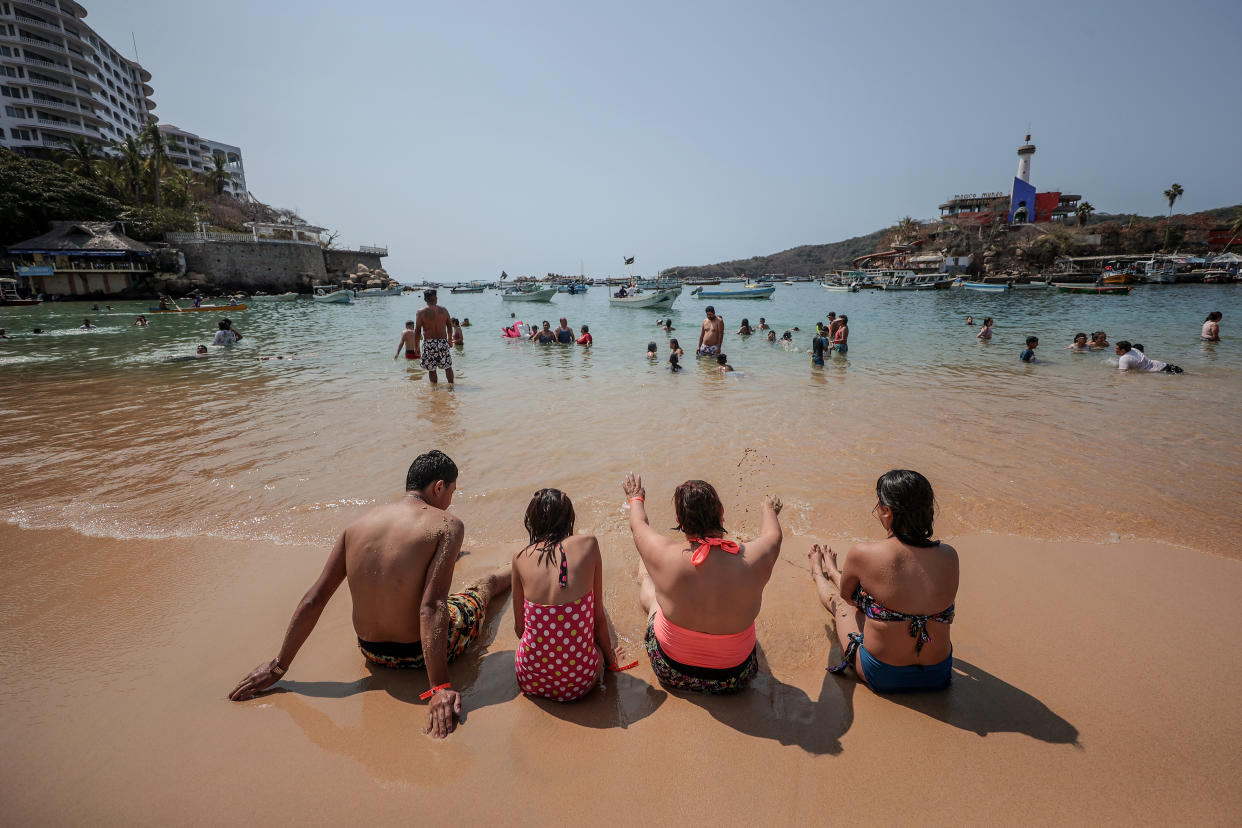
(81,258)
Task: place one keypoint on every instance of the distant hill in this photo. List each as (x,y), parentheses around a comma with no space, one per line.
(807,260)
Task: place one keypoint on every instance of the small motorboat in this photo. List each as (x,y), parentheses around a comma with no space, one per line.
(334,297)
(986,287)
(746,291)
(1029,285)
(371,293)
(200,308)
(9,297)
(575,288)
(278,297)
(516,294)
(467,289)
(647,298)
(1117,290)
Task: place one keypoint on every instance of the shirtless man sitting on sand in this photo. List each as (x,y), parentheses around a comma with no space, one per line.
(433,329)
(711,334)
(398,559)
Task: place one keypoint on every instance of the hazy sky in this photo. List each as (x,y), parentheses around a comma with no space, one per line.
(530,137)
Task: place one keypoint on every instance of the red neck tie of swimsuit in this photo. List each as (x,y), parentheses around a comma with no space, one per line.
(705,545)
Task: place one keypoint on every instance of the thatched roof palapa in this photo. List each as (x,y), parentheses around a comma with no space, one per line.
(101,238)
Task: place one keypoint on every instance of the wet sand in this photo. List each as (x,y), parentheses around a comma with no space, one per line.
(1095,683)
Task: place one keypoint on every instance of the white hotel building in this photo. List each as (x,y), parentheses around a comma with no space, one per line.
(59,80)
(190,152)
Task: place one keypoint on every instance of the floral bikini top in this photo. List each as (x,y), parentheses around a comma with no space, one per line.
(876,611)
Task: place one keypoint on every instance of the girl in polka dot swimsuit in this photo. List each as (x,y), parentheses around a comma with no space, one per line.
(557,579)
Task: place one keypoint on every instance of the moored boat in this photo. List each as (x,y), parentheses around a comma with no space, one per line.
(1118,290)
(9,297)
(516,294)
(1029,286)
(201,308)
(749,291)
(467,289)
(371,293)
(335,297)
(274,297)
(986,287)
(575,288)
(647,299)
(1217,277)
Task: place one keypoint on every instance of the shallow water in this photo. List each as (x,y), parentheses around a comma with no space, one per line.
(107,437)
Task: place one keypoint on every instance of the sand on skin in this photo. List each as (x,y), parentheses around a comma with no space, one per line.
(1095,683)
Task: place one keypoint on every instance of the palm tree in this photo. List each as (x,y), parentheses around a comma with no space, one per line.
(130,163)
(1172,194)
(907,229)
(219,175)
(1083,211)
(157,156)
(82,158)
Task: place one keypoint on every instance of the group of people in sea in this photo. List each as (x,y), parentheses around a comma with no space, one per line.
(892,599)
(563,334)
(1131,356)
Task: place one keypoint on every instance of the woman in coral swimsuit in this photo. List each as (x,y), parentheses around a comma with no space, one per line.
(702,592)
(558,610)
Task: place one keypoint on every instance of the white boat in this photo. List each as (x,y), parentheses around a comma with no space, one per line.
(746,291)
(533,295)
(367,293)
(1030,285)
(278,297)
(647,298)
(335,297)
(986,287)
(851,287)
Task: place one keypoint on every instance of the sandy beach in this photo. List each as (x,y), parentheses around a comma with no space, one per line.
(1086,691)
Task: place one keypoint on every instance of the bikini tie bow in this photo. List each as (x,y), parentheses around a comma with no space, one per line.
(705,545)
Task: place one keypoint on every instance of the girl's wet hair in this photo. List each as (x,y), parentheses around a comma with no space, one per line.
(672,343)
(910,497)
(1214,316)
(549,520)
(651,346)
(698,509)
(745,322)
(1079,335)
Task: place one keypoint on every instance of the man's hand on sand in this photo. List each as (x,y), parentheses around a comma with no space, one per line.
(442,713)
(261,678)
(774,503)
(633,487)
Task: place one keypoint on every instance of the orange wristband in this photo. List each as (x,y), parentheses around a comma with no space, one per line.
(617,668)
(635,497)
(433,691)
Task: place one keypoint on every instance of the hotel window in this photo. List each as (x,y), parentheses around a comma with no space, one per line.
(22,134)
(10,92)
(10,71)
(15,112)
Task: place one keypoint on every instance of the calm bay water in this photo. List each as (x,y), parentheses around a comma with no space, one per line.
(106,436)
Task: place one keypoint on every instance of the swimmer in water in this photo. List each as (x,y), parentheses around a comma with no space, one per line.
(676,348)
(723,362)
(141,322)
(199,353)
(970,320)
(86,325)
(465,322)
(407,342)
(1080,343)
(674,364)
(652,353)
(586,339)
(763,324)
(3,335)
(456,337)
(746,329)
(771,335)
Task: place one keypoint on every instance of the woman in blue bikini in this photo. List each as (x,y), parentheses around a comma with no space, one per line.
(901,592)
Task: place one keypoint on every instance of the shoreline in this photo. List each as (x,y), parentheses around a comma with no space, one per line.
(1073,701)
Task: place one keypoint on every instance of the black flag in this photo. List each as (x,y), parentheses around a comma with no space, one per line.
(504,275)
(629,260)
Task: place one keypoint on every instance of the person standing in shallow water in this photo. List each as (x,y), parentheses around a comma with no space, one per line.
(893,599)
(701,592)
(711,333)
(432,328)
(398,559)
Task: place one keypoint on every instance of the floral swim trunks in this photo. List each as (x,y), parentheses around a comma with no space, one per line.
(467,612)
(680,676)
(708,350)
(436,355)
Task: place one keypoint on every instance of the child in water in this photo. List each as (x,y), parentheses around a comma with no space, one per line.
(723,362)
(673,364)
(985,333)
(1032,342)
(586,339)
(675,348)
(1080,343)
(652,353)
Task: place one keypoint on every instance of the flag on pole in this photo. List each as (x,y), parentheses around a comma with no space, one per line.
(504,275)
(629,260)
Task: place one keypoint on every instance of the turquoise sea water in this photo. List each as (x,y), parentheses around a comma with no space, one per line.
(107,436)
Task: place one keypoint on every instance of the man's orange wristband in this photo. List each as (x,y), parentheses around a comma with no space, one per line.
(635,497)
(433,691)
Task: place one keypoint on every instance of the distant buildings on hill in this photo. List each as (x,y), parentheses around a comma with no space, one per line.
(1022,205)
(59,80)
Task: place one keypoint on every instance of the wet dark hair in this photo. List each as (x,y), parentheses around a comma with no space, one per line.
(672,358)
(1031,339)
(454,321)
(651,346)
(1214,316)
(844,318)
(1139,348)
(429,467)
(549,520)
(429,294)
(709,309)
(1124,345)
(745,322)
(672,343)
(223,324)
(1083,335)
(585,329)
(909,495)
(698,509)
(987,320)
(721,359)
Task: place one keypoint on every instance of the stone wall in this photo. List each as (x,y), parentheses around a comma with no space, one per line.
(272,267)
(341,262)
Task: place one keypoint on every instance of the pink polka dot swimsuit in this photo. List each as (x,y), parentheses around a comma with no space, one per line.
(557,658)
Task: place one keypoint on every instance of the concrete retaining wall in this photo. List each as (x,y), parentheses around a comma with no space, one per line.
(253,266)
